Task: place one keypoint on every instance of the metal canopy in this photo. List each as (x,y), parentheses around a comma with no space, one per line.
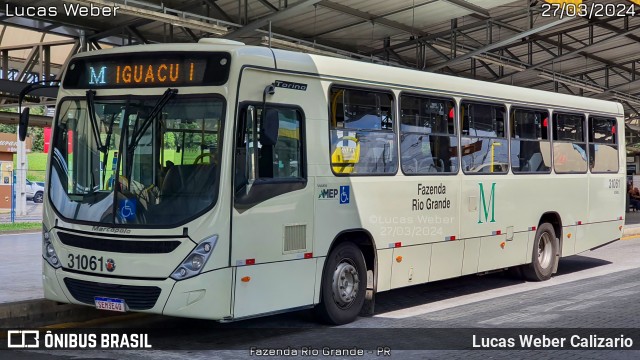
(507,41)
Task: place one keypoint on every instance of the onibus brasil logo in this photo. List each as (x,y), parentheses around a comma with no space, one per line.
(30,339)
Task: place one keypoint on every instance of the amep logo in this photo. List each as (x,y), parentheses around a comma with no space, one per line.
(343,194)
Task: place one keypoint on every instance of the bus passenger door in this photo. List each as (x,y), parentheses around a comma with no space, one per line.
(273,211)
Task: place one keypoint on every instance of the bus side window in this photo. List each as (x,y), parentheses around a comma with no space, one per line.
(263,162)
(362,132)
(603,145)
(428,143)
(484,145)
(530,145)
(286,155)
(569,145)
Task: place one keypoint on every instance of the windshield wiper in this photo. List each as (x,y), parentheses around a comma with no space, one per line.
(95,127)
(106,153)
(94,122)
(139,133)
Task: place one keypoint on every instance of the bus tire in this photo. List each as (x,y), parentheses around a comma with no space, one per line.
(344,284)
(543,256)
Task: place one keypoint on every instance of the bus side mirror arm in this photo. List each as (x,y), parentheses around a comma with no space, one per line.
(23,124)
(24,112)
(270,120)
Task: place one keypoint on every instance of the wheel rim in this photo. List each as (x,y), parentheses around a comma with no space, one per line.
(545,250)
(346,283)
(38,198)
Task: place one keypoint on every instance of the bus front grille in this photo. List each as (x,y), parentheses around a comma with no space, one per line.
(136,297)
(125,245)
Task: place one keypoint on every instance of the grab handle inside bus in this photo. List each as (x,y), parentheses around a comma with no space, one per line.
(250,145)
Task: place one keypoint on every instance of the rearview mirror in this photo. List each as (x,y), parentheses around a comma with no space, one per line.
(23,124)
(270,127)
(112,109)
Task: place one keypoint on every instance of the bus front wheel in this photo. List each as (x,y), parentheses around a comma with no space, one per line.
(544,254)
(344,284)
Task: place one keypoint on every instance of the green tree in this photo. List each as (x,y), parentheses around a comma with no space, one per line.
(169,140)
(37,137)
(6,128)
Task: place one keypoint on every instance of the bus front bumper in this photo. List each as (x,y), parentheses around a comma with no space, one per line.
(206,296)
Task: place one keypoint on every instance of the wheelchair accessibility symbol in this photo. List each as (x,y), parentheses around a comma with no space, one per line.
(127,209)
(344,194)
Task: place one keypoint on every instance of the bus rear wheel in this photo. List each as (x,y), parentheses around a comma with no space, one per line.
(544,255)
(344,284)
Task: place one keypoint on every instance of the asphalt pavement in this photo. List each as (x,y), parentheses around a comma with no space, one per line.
(594,290)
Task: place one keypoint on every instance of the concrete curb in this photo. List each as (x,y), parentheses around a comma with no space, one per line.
(631,230)
(20,232)
(41,312)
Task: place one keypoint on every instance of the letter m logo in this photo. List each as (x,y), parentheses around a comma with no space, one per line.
(486,206)
(97,78)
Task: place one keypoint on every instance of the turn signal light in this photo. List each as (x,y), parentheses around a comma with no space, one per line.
(399,258)
(246,278)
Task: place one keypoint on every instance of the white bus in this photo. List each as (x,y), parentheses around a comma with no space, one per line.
(223,181)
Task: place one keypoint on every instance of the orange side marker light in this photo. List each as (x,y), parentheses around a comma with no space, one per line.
(246,279)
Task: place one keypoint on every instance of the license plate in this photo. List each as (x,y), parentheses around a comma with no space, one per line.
(110,304)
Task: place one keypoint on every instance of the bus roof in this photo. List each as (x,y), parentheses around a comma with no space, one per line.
(413,80)
(382,75)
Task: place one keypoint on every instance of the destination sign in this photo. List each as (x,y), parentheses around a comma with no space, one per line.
(148,70)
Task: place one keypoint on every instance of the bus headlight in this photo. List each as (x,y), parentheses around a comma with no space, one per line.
(48,251)
(194,263)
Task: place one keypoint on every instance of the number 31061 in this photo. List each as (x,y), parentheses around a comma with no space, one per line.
(84,262)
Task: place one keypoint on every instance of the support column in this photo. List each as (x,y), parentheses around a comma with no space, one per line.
(21,176)
(5,64)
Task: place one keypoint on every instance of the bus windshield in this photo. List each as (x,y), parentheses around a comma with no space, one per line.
(136,160)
